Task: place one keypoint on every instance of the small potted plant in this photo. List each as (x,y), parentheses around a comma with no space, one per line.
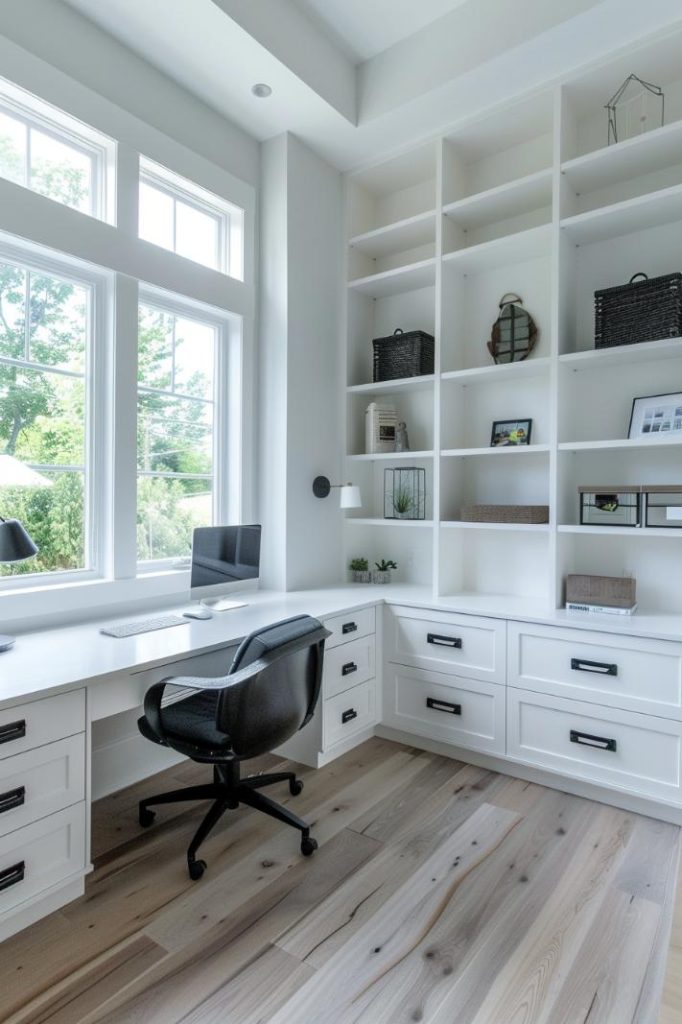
(382,573)
(360,569)
(403,505)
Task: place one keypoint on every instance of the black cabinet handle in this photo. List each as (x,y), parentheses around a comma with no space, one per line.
(600,742)
(444,641)
(349,627)
(346,670)
(348,716)
(600,668)
(443,705)
(13,798)
(12,731)
(13,875)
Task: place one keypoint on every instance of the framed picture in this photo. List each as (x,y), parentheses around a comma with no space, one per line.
(510,433)
(657,416)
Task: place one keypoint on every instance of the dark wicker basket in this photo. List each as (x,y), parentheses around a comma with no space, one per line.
(403,354)
(644,310)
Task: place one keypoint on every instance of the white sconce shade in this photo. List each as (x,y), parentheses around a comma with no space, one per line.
(350,496)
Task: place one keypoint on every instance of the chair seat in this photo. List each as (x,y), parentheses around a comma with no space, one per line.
(190,722)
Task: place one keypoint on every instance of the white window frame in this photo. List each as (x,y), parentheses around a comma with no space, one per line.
(97,432)
(230,218)
(34,113)
(227,399)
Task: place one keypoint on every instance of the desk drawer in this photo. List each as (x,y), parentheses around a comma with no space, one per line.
(348,713)
(350,626)
(468,645)
(464,712)
(602,668)
(348,665)
(26,726)
(41,782)
(41,855)
(637,753)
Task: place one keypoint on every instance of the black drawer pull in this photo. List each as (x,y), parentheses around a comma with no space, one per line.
(600,668)
(13,798)
(349,627)
(444,641)
(348,716)
(346,670)
(443,705)
(12,731)
(13,875)
(600,742)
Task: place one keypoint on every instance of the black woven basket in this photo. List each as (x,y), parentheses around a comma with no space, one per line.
(644,310)
(403,354)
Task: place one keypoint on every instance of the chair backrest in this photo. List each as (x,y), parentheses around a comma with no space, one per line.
(270,707)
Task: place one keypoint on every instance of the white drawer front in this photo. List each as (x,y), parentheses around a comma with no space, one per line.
(26,726)
(41,855)
(468,645)
(465,712)
(40,782)
(348,713)
(350,626)
(626,672)
(348,665)
(635,752)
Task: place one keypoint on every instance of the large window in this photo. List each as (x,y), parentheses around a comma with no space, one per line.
(178,359)
(45,355)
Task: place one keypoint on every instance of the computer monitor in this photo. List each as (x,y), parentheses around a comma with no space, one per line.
(224,559)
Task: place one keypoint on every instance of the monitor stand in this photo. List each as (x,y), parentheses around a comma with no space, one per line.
(222,604)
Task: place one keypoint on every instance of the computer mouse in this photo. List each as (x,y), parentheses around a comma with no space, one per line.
(198,613)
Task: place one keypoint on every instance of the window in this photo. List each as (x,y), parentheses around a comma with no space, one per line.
(45,357)
(51,153)
(178,374)
(179,215)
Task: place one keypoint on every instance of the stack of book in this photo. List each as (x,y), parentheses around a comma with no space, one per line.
(611,595)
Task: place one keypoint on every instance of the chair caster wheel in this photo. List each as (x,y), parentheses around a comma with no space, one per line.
(308,846)
(295,787)
(146,817)
(196,869)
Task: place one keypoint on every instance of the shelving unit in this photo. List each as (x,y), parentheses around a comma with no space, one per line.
(528,200)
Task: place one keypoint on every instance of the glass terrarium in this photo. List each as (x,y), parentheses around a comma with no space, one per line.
(637,107)
(610,506)
(405,493)
(514,332)
(664,506)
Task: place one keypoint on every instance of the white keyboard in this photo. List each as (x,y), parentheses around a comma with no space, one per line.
(144,626)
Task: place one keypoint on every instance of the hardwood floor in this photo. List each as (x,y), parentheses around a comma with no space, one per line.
(440,893)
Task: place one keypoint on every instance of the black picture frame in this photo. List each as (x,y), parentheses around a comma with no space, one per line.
(658,419)
(498,433)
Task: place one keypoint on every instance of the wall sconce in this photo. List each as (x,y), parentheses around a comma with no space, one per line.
(349,494)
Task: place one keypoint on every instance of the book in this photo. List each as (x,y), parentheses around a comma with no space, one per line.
(601,609)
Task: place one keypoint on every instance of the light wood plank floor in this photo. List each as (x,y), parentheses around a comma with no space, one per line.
(440,893)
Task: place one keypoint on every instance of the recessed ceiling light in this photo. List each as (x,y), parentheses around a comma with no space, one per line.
(261,90)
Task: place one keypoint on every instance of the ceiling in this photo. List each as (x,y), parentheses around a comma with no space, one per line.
(364,28)
(359,79)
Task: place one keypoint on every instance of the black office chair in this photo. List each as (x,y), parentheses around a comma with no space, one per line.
(269,694)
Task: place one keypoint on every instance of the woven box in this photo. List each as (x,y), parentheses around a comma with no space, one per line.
(529,514)
(642,310)
(403,354)
(610,591)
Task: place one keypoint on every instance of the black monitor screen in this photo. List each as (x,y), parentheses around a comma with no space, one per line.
(225,554)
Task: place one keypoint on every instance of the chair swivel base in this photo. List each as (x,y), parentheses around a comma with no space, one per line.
(227,792)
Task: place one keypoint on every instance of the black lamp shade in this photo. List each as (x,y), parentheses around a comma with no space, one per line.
(15,543)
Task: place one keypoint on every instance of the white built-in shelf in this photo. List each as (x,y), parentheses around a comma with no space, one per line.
(504,201)
(498,372)
(500,252)
(422,383)
(398,237)
(620,444)
(392,282)
(653,151)
(391,456)
(521,449)
(459,524)
(377,521)
(647,351)
(623,531)
(624,218)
